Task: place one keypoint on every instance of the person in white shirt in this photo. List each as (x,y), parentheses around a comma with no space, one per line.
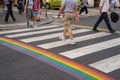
(69,8)
(28,10)
(104,6)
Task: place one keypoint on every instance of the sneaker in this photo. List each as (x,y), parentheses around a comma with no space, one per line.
(62,38)
(72,43)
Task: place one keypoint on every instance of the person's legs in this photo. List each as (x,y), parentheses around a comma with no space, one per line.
(35,18)
(64,34)
(11,12)
(81,10)
(29,16)
(70,17)
(8,12)
(86,10)
(67,29)
(108,22)
(71,36)
(20,11)
(97,23)
(70,33)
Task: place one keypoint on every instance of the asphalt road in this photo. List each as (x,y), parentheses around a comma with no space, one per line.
(38,54)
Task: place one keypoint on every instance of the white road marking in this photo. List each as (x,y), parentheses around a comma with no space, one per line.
(77,39)
(33,33)
(107,65)
(27,29)
(33,39)
(91,48)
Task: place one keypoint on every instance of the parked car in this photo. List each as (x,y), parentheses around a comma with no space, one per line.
(50,4)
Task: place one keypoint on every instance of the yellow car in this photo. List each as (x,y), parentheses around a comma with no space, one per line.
(52,4)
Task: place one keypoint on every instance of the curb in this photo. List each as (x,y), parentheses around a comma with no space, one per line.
(23,25)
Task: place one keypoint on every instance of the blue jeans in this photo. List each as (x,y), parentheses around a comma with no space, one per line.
(105,17)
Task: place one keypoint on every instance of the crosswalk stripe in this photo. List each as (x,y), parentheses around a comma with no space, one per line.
(77,39)
(27,29)
(33,39)
(91,48)
(14,24)
(102,65)
(107,65)
(33,33)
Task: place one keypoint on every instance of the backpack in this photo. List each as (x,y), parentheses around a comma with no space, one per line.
(114,17)
(20,5)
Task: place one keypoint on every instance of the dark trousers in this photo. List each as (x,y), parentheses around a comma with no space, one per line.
(9,12)
(105,17)
(84,9)
(20,11)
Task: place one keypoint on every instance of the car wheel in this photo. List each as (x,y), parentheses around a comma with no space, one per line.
(48,6)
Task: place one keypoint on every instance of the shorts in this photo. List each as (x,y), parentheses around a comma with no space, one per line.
(67,19)
(29,14)
(35,13)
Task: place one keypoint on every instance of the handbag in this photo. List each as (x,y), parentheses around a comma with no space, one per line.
(114,17)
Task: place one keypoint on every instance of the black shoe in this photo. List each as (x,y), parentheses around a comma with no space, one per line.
(113,31)
(95,30)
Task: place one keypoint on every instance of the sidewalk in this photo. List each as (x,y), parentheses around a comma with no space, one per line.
(20,20)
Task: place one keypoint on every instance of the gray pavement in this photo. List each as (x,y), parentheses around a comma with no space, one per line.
(91,20)
(16,65)
(20,20)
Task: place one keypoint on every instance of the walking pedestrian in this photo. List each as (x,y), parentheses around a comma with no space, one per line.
(20,6)
(36,8)
(104,6)
(28,10)
(68,7)
(9,10)
(83,8)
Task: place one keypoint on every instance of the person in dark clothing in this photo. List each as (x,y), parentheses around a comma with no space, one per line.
(104,6)
(20,6)
(83,8)
(9,10)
